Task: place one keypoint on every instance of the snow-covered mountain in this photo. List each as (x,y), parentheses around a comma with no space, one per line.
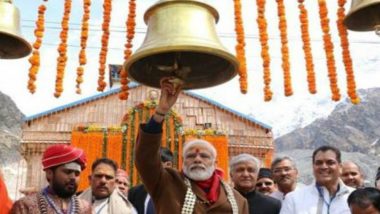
(352,128)
(294,115)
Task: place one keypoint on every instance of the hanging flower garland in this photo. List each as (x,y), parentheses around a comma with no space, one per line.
(124,146)
(240,51)
(307,47)
(203,132)
(131,24)
(351,85)
(91,140)
(329,50)
(83,44)
(107,6)
(262,24)
(141,113)
(34,60)
(284,48)
(62,50)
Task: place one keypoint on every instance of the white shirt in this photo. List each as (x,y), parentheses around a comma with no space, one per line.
(100,206)
(308,200)
(280,195)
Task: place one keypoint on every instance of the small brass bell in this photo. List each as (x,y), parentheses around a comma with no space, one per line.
(181,41)
(12,44)
(364,15)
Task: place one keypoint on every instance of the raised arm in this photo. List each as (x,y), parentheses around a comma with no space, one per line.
(148,161)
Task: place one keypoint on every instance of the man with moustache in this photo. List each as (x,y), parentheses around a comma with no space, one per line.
(199,187)
(103,194)
(244,172)
(284,171)
(265,183)
(62,165)
(328,195)
(352,175)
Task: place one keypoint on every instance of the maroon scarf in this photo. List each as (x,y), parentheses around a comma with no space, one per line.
(211,186)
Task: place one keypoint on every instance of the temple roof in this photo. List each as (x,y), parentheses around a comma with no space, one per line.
(134,85)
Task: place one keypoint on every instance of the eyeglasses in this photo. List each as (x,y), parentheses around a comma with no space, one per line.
(268,183)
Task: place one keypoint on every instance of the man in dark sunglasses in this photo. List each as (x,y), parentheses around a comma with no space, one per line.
(265,183)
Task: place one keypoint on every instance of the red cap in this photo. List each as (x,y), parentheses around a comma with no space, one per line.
(60,154)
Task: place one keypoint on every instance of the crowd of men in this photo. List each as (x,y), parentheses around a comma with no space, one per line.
(198,188)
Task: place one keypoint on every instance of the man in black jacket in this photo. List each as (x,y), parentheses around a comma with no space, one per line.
(138,195)
(244,170)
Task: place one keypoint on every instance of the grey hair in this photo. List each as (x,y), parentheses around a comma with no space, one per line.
(244,157)
(199,142)
(282,158)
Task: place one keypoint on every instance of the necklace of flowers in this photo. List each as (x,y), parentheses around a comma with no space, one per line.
(73,208)
(190,198)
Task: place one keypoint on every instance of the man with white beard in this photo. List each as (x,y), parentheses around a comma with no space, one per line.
(199,188)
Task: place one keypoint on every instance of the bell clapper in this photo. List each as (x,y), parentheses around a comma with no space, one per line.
(179,72)
(167,68)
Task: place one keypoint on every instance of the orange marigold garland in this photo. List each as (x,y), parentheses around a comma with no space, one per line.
(351,85)
(107,6)
(262,24)
(34,60)
(284,48)
(62,49)
(329,50)
(307,47)
(83,44)
(131,23)
(240,52)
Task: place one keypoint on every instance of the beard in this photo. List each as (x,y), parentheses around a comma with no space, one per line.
(62,190)
(198,172)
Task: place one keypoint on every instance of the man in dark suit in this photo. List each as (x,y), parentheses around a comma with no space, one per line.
(244,169)
(138,195)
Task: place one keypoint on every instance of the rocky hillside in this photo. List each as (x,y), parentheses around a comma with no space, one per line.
(351,128)
(10,130)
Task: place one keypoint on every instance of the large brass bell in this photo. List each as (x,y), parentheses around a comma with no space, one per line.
(364,15)
(12,45)
(181,41)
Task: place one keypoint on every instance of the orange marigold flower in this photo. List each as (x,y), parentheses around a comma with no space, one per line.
(284,48)
(130,25)
(329,50)
(307,47)
(34,60)
(262,25)
(240,51)
(351,85)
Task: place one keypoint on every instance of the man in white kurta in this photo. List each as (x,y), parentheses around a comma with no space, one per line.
(328,195)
